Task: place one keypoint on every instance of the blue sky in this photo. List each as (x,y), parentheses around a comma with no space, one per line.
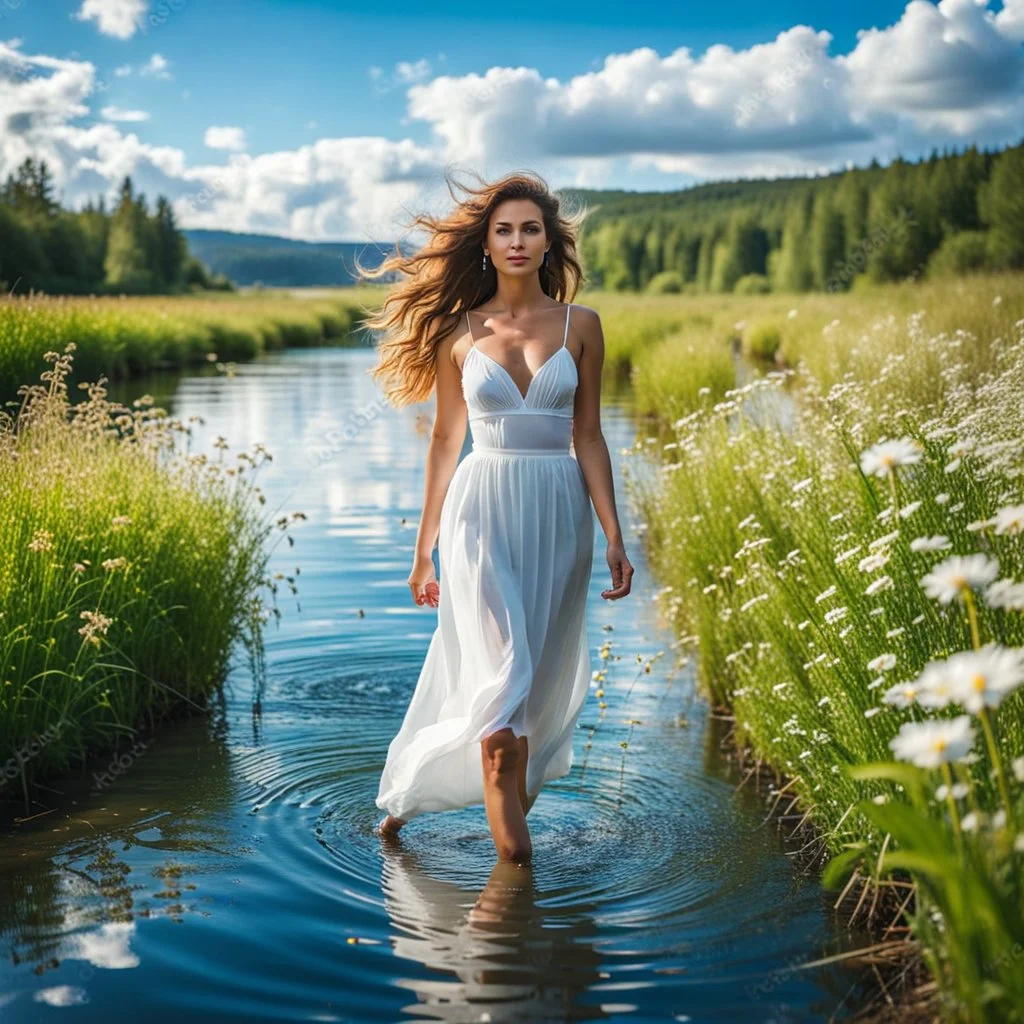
(316,119)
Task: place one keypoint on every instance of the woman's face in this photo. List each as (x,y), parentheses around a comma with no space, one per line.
(516,240)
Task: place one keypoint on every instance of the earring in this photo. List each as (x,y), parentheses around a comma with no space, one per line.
(484,264)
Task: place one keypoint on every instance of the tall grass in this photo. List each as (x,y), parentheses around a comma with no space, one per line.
(129,569)
(802,564)
(123,337)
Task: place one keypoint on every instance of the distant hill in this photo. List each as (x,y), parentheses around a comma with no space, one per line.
(249,259)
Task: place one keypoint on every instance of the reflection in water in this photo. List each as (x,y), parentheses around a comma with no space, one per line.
(510,956)
(232,874)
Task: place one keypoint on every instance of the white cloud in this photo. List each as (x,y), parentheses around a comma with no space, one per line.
(117,114)
(118,18)
(225,138)
(943,74)
(156,67)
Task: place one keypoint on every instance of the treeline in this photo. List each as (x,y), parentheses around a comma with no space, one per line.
(949,213)
(46,248)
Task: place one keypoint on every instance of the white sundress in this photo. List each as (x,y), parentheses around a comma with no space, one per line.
(515,547)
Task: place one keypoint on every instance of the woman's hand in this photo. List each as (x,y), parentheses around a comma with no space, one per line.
(622,572)
(423,581)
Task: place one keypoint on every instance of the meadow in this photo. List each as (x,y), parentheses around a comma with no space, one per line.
(851,578)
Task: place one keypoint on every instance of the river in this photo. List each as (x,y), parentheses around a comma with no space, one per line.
(230,871)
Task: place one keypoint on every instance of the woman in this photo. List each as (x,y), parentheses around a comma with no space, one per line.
(508,667)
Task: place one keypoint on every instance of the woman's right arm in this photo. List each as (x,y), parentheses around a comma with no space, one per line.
(447,436)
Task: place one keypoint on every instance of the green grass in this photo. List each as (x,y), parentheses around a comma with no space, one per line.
(128,572)
(122,337)
(791,571)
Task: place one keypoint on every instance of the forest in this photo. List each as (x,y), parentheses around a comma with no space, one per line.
(955,212)
(127,250)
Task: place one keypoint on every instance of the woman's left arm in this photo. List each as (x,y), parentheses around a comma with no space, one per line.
(592,449)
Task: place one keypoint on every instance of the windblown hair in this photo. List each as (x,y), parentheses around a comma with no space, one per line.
(445,278)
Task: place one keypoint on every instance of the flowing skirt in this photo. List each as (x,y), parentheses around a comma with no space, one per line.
(515,547)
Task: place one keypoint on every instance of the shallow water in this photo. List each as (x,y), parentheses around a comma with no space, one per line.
(229,871)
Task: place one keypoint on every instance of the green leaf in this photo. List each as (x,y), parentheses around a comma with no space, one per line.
(841,866)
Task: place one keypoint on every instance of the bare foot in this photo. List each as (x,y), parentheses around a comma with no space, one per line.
(389,826)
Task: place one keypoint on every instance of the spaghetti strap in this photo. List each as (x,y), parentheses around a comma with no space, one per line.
(470,326)
(565,338)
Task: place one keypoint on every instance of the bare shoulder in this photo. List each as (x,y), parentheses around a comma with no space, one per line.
(447,335)
(586,322)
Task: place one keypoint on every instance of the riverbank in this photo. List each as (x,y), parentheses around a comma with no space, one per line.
(121,338)
(129,571)
(851,580)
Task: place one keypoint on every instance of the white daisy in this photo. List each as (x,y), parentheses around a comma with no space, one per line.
(1010,519)
(933,743)
(949,579)
(934,688)
(984,677)
(885,456)
(936,543)
(1006,594)
(883,663)
(902,695)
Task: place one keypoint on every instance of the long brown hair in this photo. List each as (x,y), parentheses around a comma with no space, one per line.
(445,278)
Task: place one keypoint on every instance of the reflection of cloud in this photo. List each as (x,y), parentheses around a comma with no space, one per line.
(107,947)
(61,995)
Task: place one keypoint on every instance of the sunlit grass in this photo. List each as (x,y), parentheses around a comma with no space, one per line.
(809,568)
(123,337)
(129,569)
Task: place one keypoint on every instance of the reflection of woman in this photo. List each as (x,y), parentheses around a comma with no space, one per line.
(508,667)
(504,951)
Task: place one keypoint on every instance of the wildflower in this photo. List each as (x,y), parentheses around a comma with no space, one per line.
(840,558)
(882,458)
(902,695)
(883,663)
(1009,520)
(825,700)
(801,485)
(121,521)
(42,540)
(936,543)
(958,573)
(876,682)
(908,510)
(825,594)
(871,712)
(958,791)
(111,564)
(96,623)
(882,583)
(984,677)
(941,499)
(935,689)
(970,822)
(881,542)
(1006,594)
(1018,768)
(836,614)
(872,563)
(893,633)
(933,743)
(880,799)
(999,819)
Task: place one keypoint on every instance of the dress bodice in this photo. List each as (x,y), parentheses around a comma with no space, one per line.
(501,417)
